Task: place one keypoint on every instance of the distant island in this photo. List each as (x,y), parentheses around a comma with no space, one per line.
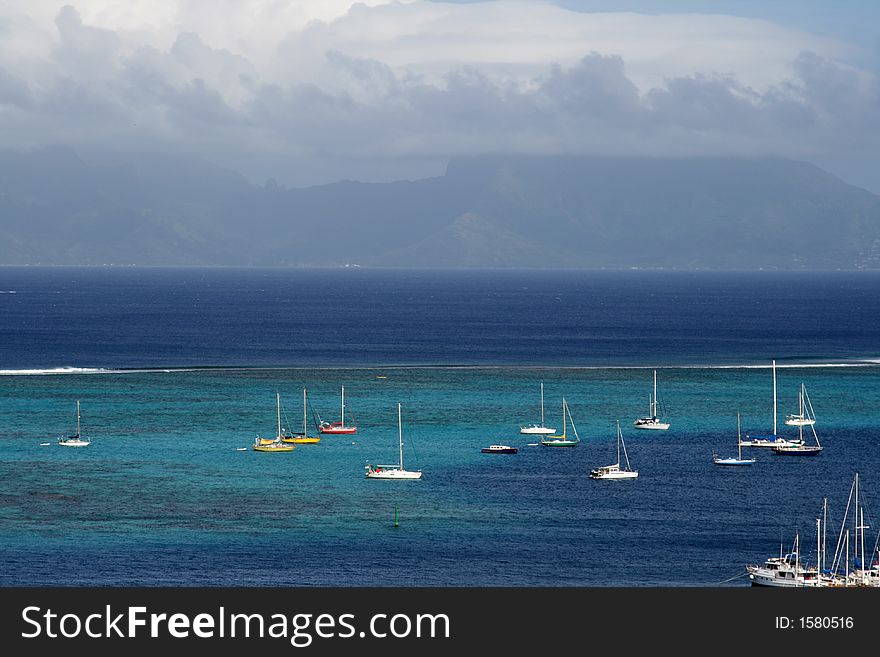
(494,211)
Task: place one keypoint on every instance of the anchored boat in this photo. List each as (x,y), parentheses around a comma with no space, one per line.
(739,460)
(76,439)
(338,427)
(273,444)
(652,421)
(393,471)
(563,440)
(538,429)
(614,471)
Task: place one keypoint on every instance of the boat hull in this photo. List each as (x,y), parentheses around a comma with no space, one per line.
(798,450)
(800,423)
(619,474)
(732,462)
(768,442)
(261,445)
(560,443)
(537,431)
(499,450)
(300,440)
(393,474)
(74,443)
(338,430)
(656,425)
(762,577)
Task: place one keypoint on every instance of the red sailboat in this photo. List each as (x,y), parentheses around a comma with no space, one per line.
(340,426)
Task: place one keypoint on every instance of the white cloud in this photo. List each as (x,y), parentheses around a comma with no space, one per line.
(339,84)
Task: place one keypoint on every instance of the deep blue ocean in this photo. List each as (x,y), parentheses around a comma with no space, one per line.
(176,369)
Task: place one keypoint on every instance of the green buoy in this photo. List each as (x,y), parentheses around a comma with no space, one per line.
(395,516)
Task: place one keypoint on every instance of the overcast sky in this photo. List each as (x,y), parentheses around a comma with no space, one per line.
(314,91)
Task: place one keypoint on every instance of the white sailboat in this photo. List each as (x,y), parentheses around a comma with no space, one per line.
(75,440)
(538,429)
(651,421)
(563,440)
(790,571)
(805,415)
(615,471)
(866,569)
(739,460)
(771,440)
(806,420)
(393,471)
(800,448)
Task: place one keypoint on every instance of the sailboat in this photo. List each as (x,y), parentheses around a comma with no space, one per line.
(651,421)
(805,415)
(538,429)
(75,440)
(800,448)
(806,420)
(273,444)
(393,471)
(739,460)
(790,571)
(301,438)
(866,569)
(563,440)
(772,440)
(615,471)
(337,427)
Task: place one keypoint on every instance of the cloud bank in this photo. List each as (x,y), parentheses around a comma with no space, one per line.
(321,90)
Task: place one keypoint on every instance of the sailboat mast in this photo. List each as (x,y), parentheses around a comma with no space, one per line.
(342,417)
(862,527)
(618,442)
(824,528)
(563,418)
(856,519)
(77,418)
(774,398)
(542,403)
(278,405)
(654,405)
(739,447)
(304,412)
(400,434)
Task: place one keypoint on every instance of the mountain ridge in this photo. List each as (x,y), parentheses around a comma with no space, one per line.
(590,212)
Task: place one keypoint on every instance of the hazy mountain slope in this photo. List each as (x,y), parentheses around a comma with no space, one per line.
(494,211)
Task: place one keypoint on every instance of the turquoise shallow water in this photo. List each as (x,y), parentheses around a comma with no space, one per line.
(162,497)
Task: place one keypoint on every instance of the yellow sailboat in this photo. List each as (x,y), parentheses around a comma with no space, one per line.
(273,444)
(563,440)
(300,438)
